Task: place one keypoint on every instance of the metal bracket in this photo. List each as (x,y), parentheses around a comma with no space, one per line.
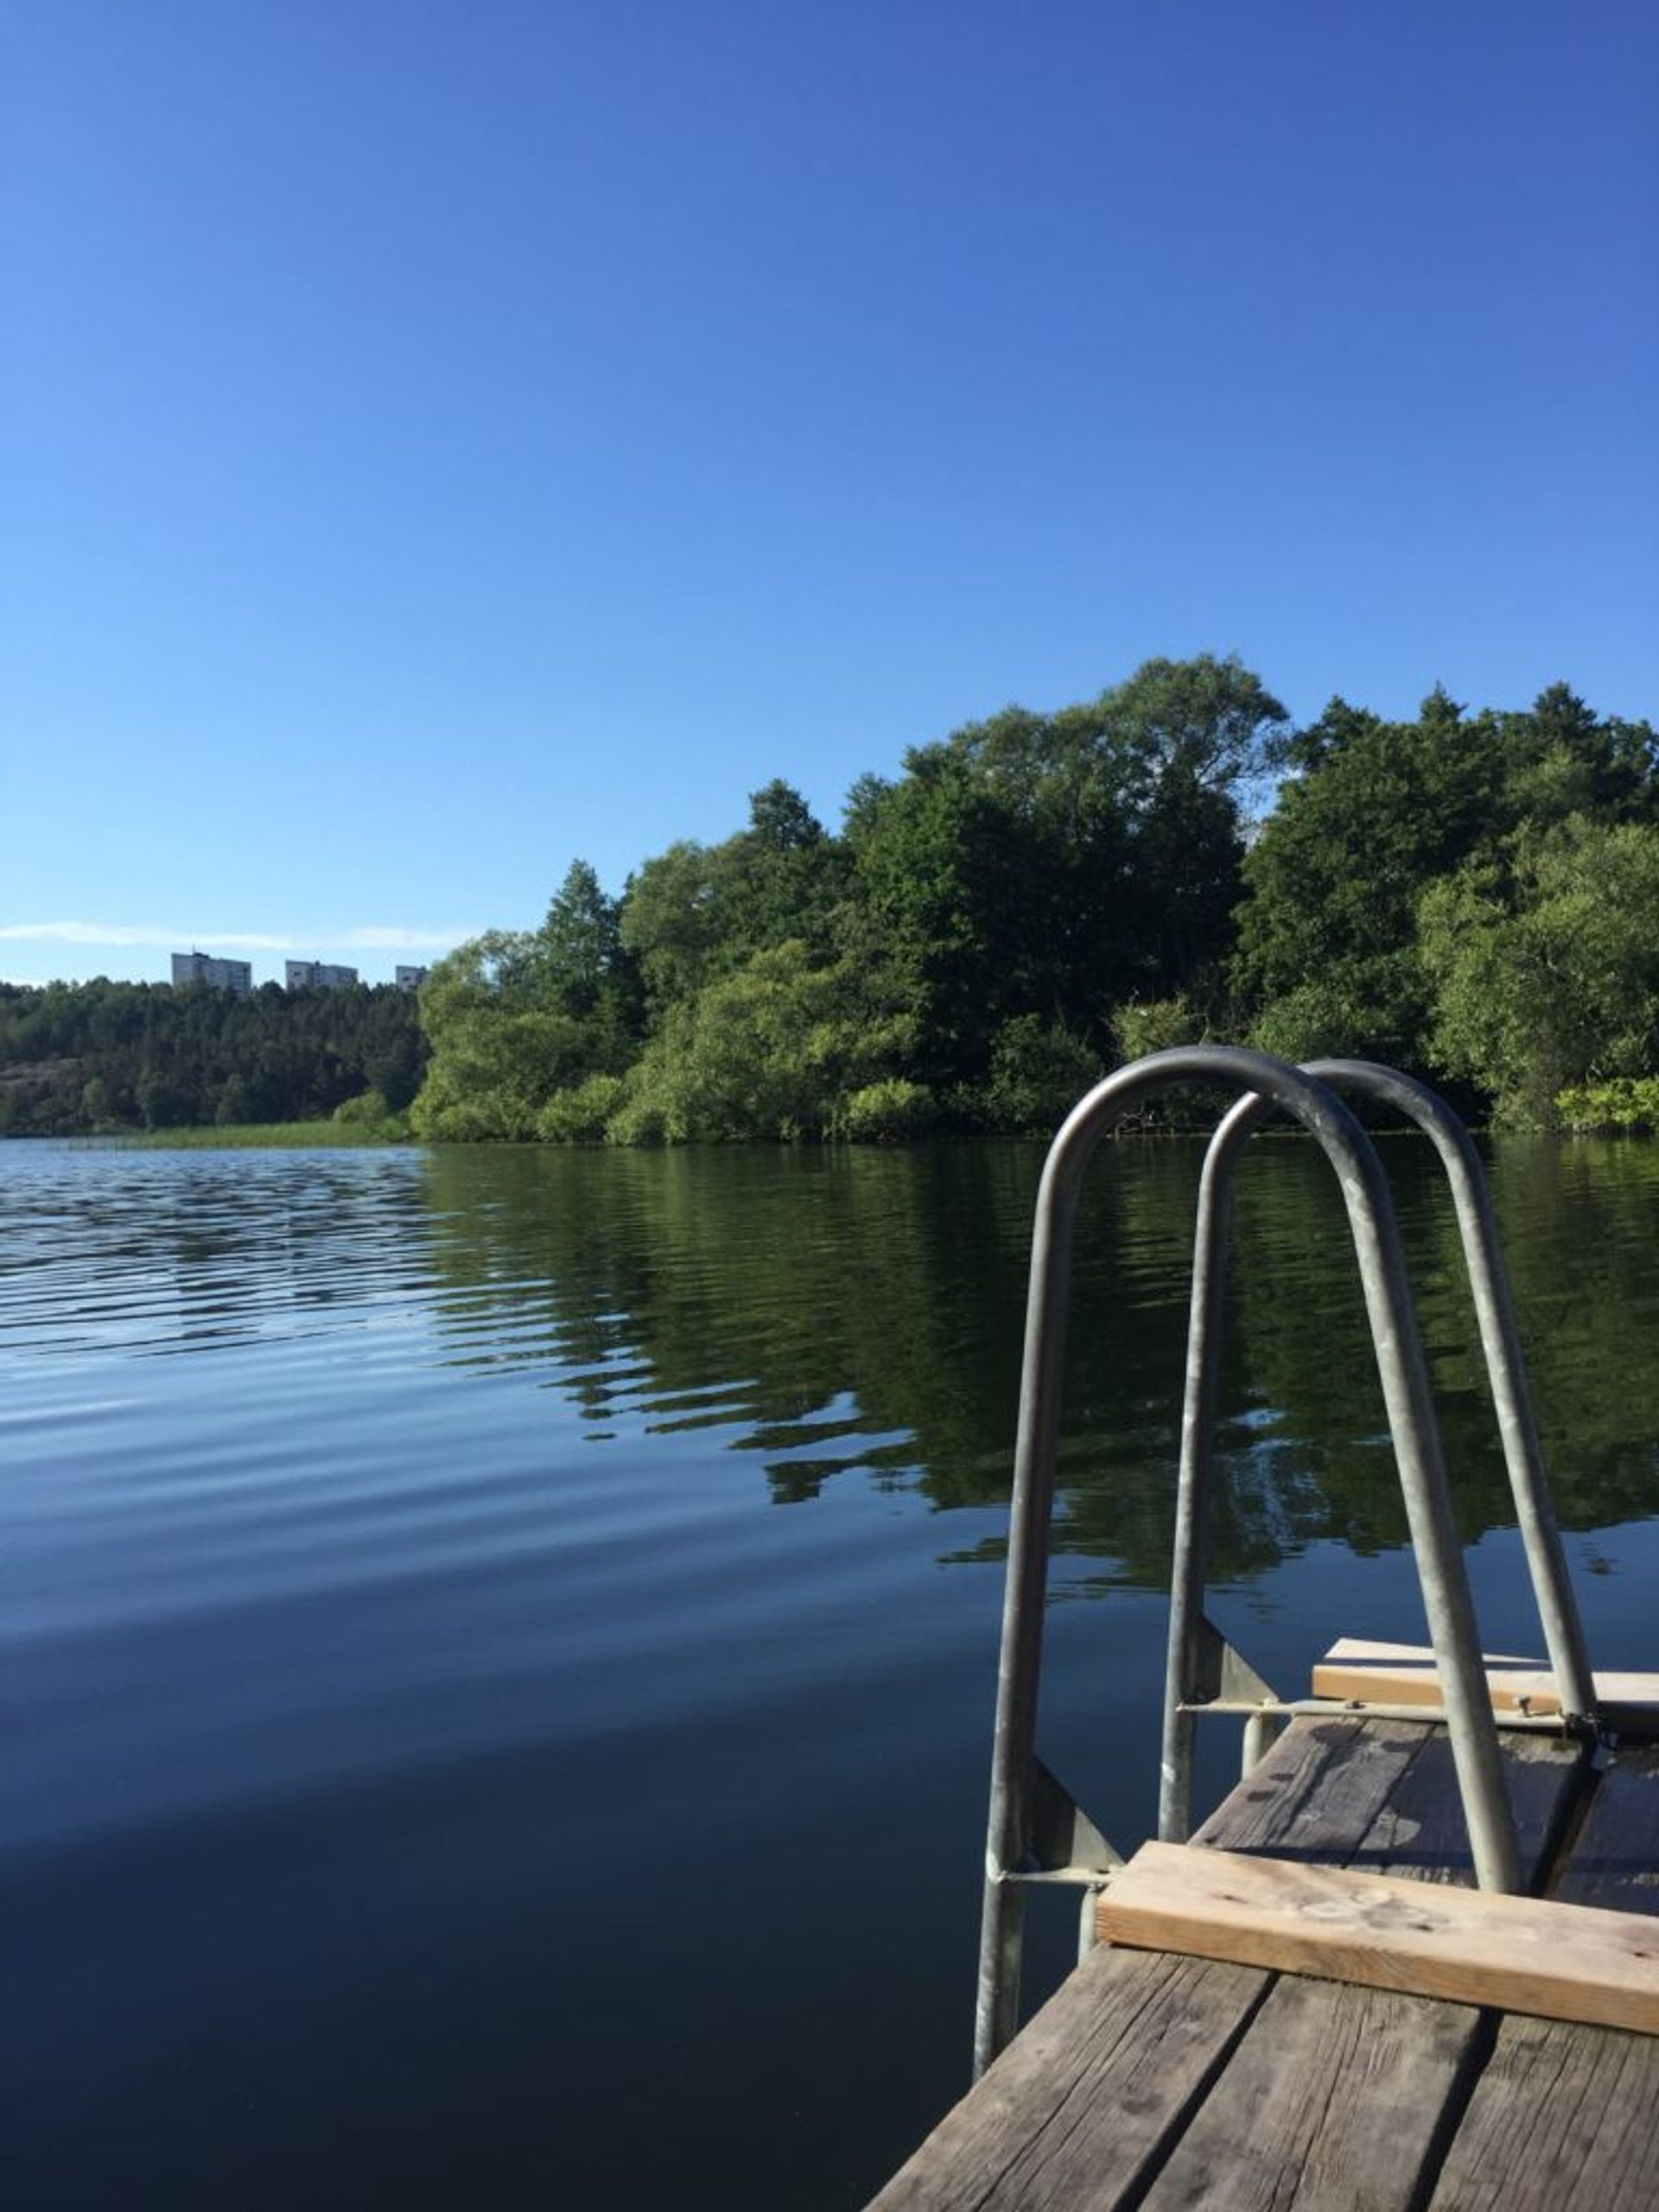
(1065,1842)
(1220,1672)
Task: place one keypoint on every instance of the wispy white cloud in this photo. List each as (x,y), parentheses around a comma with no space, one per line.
(394,937)
(368,937)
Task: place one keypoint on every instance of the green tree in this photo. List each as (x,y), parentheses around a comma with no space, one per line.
(582,954)
(1053,866)
(774,1050)
(781,877)
(1545,971)
(671,924)
(501,1044)
(1374,814)
(1326,946)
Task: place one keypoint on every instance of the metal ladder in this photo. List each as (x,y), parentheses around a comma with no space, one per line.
(1037,1833)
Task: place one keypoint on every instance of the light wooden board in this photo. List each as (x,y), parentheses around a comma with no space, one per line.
(1144,2066)
(1560,1962)
(1338,2099)
(1404,1674)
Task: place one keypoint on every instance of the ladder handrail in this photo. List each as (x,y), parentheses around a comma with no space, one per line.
(1500,1338)
(1404,1376)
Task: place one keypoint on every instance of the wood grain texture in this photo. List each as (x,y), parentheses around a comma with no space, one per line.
(1383,1795)
(1082,2103)
(1332,2103)
(1319,1790)
(1615,1856)
(1523,1955)
(1404,1674)
(1146,2071)
(1563,2115)
(1340,2097)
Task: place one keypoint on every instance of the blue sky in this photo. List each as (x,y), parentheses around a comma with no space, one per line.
(438,440)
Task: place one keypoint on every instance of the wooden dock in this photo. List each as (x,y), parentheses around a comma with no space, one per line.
(1161,2080)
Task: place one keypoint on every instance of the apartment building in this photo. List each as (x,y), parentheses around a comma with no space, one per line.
(318,976)
(220,974)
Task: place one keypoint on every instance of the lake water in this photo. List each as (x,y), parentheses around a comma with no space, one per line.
(499,1645)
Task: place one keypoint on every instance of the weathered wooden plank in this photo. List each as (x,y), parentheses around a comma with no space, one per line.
(1318,1791)
(1332,2105)
(1562,2117)
(1404,1674)
(1086,2099)
(1615,1857)
(1069,2115)
(1421,1830)
(1524,1954)
(1070,2092)
(1564,2114)
(1383,1794)
(1337,2098)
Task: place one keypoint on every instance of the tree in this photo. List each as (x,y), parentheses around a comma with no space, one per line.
(581,952)
(1546,972)
(1054,866)
(779,879)
(1373,814)
(774,1050)
(671,924)
(1327,936)
(501,1044)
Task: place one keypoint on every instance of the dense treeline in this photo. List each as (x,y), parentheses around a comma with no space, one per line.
(86,1057)
(1472,896)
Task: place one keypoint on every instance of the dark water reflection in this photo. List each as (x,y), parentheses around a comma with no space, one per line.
(437,1773)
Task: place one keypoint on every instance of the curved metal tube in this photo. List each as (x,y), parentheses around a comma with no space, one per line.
(1411,1419)
(1506,1370)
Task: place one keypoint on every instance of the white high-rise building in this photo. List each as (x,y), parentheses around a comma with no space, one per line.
(220,974)
(318,976)
(410,979)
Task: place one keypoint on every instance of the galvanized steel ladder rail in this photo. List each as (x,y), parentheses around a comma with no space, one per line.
(1037,1833)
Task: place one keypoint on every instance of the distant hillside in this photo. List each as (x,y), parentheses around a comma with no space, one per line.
(79,1057)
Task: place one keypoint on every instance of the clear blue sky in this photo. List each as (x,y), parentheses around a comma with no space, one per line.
(445,437)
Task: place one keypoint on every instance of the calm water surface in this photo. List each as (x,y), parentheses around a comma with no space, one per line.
(498,1646)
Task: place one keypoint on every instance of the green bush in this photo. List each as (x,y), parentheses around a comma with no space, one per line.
(893,1111)
(1146,1026)
(1629,1101)
(367,1106)
(581,1115)
(1039,1071)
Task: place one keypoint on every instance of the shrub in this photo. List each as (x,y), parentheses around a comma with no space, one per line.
(1146,1026)
(580,1116)
(1630,1101)
(367,1106)
(1039,1071)
(893,1111)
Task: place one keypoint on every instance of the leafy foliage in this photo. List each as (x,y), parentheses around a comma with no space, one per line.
(1425,892)
(1547,968)
(1035,897)
(106,1056)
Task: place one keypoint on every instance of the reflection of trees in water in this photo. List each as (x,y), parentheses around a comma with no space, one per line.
(189,1250)
(836,1310)
(810,1299)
